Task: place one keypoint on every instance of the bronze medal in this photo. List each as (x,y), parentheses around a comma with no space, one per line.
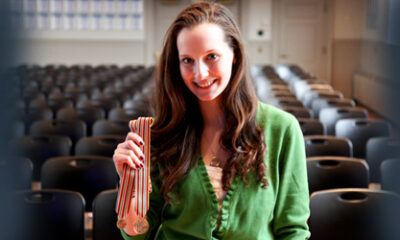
(121,223)
(141,226)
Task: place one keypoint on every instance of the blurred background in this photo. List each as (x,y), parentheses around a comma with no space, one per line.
(74,72)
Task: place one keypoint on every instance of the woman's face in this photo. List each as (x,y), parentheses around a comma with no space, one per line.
(205,60)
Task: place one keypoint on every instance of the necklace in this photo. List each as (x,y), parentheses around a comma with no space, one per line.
(210,152)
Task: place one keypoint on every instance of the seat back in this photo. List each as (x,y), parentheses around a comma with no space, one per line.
(74,129)
(88,175)
(98,145)
(390,177)
(110,127)
(311,126)
(380,149)
(105,217)
(327,172)
(35,114)
(359,131)
(298,112)
(88,114)
(329,116)
(49,214)
(318,145)
(354,213)
(319,103)
(310,96)
(41,147)
(124,114)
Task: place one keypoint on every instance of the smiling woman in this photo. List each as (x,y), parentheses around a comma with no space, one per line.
(205,60)
(212,177)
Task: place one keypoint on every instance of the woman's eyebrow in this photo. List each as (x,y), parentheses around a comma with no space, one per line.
(206,52)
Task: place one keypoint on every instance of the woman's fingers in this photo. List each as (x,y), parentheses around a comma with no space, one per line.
(135,138)
(129,152)
(132,157)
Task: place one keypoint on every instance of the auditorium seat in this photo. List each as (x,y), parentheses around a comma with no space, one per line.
(39,148)
(279,87)
(298,112)
(105,217)
(354,213)
(319,145)
(88,175)
(390,177)
(88,114)
(103,102)
(318,104)
(329,116)
(288,102)
(379,149)
(114,93)
(38,103)
(327,172)
(57,101)
(110,127)
(74,129)
(311,126)
(98,145)
(310,96)
(48,214)
(280,94)
(312,87)
(359,131)
(29,95)
(301,86)
(74,94)
(125,114)
(35,114)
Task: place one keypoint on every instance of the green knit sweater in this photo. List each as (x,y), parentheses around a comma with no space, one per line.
(248,212)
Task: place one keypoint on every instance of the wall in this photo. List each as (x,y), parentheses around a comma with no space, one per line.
(90,47)
(257,18)
(379,70)
(347,43)
(129,48)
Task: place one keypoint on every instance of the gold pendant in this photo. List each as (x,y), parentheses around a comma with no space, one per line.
(214,162)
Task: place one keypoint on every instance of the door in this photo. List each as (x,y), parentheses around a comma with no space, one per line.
(303,35)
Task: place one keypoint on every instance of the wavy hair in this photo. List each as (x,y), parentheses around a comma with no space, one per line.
(178,125)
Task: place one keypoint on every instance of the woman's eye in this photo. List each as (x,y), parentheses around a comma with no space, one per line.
(187,61)
(213,57)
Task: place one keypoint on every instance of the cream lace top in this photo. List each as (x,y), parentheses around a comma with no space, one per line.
(215,174)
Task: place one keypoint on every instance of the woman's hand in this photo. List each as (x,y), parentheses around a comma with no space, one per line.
(128,152)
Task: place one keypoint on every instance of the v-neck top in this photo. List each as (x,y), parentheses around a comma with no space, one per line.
(215,174)
(248,211)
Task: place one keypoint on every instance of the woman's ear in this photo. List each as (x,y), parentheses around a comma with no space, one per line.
(234,60)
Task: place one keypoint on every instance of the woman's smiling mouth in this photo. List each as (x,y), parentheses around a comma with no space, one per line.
(205,84)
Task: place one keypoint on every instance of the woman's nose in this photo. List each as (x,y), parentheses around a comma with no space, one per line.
(201,70)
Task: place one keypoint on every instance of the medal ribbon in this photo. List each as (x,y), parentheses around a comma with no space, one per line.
(136,183)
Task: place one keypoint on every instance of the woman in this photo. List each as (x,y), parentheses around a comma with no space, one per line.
(224,165)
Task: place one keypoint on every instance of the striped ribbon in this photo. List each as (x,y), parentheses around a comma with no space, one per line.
(136,183)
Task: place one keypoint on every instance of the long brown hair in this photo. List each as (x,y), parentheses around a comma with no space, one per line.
(178,125)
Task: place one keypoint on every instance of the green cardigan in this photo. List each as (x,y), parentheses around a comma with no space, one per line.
(248,212)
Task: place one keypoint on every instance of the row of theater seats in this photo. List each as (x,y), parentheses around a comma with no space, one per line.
(346,151)
(68,122)
(82,162)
